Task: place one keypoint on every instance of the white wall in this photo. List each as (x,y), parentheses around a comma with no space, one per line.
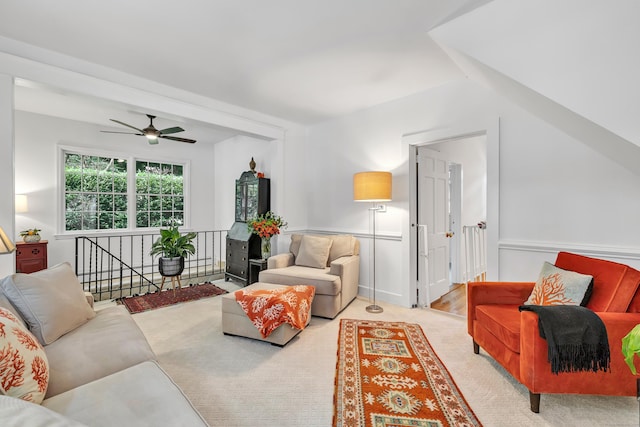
(37,138)
(555,193)
(7,261)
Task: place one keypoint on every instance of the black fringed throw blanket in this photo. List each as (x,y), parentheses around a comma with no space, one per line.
(576,337)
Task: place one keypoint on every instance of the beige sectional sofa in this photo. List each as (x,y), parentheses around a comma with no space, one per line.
(102,371)
(331,263)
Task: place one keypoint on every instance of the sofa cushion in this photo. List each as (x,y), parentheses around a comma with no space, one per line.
(19,413)
(51,301)
(109,343)
(556,286)
(142,395)
(342,245)
(314,251)
(325,283)
(503,321)
(614,284)
(24,369)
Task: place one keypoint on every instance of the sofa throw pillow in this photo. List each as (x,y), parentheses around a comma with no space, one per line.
(314,251)
(294,246)
(51,301)
(24,369)
(342,245)
(556,286)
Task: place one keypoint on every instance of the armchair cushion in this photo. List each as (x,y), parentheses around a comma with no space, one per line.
(503,321)
(314,251)
(556,286)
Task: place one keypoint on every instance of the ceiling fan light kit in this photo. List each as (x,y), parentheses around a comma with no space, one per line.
(151,133)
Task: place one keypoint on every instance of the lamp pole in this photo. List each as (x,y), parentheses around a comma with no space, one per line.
(374,308)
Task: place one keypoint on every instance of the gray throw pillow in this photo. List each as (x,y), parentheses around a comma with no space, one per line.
(50,301)
(556,286)
(314,251)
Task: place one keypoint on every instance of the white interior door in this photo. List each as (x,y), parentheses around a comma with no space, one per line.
(433,212)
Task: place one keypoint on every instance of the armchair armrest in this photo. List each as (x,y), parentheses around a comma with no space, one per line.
(535,370)
(481,293)
(280,260)
(348,268)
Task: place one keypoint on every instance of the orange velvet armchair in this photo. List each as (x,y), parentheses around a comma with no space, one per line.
(512,337)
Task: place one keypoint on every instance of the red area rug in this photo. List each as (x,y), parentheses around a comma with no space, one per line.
(388,375)
(168,297)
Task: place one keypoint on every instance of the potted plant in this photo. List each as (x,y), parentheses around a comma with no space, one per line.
(173,247)
(266,226)
(32,235)
(631,347)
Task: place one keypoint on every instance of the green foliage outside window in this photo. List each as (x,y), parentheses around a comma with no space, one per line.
(96,193)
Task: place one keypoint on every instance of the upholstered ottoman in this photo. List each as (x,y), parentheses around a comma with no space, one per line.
(236,322)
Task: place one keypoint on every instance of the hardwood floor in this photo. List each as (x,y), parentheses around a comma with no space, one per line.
(454,301)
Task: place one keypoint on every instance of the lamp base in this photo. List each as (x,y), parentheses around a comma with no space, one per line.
(374,308)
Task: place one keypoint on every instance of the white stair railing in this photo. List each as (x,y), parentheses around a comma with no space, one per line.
(475,252)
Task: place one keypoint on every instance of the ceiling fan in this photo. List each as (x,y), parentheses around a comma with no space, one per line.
(152,133)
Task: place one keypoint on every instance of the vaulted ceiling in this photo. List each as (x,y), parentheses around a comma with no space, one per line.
(304,61)
(574,62)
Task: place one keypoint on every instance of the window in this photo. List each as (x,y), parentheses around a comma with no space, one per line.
(102,192)
(159,194)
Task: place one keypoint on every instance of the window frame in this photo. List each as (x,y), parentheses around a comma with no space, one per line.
(131,159)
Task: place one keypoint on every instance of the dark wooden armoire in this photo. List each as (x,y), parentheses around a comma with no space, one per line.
(252,198)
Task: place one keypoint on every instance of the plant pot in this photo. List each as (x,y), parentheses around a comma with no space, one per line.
(32,238)
(171,266)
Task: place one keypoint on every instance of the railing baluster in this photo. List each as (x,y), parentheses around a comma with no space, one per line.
(118,274)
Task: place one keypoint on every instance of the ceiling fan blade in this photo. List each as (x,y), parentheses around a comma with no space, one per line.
(171,130)
(126,133)
(124,124)
(175,138)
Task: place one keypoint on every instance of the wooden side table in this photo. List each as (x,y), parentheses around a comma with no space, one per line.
(31,257)
(255,267)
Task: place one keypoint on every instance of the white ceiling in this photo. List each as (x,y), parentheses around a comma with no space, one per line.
(301,60)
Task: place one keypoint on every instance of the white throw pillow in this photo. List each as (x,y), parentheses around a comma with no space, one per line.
(314,251)
(556,286)
(51,301)
(24,368)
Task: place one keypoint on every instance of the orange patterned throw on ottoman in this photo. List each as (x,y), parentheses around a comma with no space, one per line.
(269,308)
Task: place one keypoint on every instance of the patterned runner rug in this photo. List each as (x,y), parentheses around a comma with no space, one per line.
(167,297)
(388,375)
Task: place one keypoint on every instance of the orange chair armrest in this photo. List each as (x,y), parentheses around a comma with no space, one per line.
(483,293)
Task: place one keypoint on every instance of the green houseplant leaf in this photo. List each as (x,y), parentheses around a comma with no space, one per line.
(631,347)
(172,243)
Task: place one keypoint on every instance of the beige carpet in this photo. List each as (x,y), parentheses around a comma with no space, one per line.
(240,382)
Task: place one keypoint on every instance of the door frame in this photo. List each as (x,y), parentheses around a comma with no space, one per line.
(491,130)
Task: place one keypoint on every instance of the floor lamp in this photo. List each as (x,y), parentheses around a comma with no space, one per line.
(372,187)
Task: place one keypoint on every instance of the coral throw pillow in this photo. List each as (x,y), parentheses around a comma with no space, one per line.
(24,369)
(556,286)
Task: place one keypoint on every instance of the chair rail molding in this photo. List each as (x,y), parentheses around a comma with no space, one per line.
(597,251)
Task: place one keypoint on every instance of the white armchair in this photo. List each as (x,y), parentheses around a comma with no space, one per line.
(330,263)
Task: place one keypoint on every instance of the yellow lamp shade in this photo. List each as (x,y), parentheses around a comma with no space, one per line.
(372,187)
